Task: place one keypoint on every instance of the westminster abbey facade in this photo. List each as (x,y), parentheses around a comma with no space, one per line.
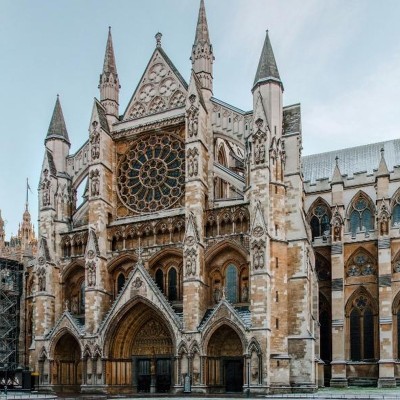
(187,244)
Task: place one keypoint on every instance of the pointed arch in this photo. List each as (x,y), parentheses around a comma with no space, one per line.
(360,214)
(395,207)
(319,216)
(362,321)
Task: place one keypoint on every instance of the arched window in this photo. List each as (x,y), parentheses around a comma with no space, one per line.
(320,221)
(362,330)
(231,286)
(396,212)
(172,282)
(361,216)
(160,279)
(120,282)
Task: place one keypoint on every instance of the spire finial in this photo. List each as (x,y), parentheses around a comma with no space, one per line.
(267,69)
(158,37)
(337,160)
(202,26)
(57,128)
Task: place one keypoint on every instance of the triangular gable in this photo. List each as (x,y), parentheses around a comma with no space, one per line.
(224,310)
(161,88)
(99,116)
(65,321)
(141,284)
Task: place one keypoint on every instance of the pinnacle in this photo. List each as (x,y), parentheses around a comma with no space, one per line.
(337,176)
(109,65)
(202,35)
(382,169)
(267,68)
(57,127)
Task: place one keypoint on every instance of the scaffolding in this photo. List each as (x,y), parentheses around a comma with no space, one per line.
(10,296)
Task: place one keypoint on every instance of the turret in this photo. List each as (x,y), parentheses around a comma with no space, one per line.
(109,83)
(57,140)
(202,52)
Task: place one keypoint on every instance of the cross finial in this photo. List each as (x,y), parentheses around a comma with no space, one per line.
(158,39)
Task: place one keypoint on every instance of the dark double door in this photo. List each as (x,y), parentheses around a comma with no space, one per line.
(154,372)
(233,375)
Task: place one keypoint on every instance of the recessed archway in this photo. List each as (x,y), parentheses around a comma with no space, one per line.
(225,360)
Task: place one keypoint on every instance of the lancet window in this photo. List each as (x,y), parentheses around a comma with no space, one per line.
(320,221)
(396,212)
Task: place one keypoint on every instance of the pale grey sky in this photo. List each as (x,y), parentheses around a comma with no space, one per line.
(340,59)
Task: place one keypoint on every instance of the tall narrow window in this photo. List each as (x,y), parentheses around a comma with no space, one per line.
(362,330)
(120,282)
(172,289)
(320,221)
(160,279)
(231,283)
(82,299)
(361,216)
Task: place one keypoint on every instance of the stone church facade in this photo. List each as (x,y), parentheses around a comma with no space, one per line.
(206,250)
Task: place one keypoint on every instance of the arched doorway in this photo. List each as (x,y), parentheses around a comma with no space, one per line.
(141,352)
(225,361)
(67,365)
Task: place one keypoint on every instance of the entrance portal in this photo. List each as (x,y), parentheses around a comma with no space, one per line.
(160,378)
(234,375)
(225,361)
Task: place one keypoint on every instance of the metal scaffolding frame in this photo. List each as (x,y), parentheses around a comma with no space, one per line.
(10,295)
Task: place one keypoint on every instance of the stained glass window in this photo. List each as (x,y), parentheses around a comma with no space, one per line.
(361,218)
(320,221)
(231,283)
(151,174)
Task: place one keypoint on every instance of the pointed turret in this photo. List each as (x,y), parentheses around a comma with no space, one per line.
(57,140)
(382,169)
(202,51)
(57,128)
(337,175)
(109,83)
(267,69)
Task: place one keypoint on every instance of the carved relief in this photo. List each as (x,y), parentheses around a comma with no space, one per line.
(91,273)
(95,143)
(258,248)
(192,118)
(337,224)
(193,163)
(46,189)
(361,265)
(41,278)
(383,218)
(190,255)
(95,182)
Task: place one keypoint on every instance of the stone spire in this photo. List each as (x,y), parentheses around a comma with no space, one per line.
(109,83)
(57,128)
(267,69)
(382,169)
(202,51)
(337,176)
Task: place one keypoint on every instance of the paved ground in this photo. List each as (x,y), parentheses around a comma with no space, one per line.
(349,393)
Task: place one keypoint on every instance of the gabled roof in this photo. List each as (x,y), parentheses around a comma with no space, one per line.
(267,68)
(57,128)
(353,160)
(160,88)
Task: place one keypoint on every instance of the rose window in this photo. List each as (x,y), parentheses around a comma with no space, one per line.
(151,174)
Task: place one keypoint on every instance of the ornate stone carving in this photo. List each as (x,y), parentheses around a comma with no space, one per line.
(337,224)
(41,277)
(258,254)
(361,265)
(91,273)
(95,182)
(193,163)
(192,117)
(45,189)
(190,255)
(95,142)
(383,218)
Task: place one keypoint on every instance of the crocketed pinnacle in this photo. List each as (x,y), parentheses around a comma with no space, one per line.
(202,35)
(109,59)
(267,68)
(57,128)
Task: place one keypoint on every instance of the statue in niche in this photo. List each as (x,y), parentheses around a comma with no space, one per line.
(384,225)
(245,293)
(91,273)
(337,231)
(217,294)
(193,124)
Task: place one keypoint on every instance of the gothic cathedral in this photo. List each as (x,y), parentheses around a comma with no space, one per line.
(187,245)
